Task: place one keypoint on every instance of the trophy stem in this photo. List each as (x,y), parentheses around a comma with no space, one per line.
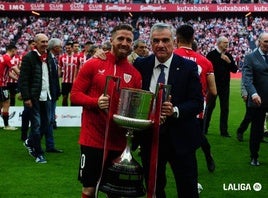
(126,155)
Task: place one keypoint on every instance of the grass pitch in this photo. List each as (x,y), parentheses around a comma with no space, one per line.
(234,177)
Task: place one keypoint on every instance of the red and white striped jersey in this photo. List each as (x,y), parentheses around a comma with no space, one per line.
(5,64)
(67,65)
(82,59)
(16,60)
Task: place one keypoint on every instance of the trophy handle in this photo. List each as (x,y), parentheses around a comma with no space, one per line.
(109,117)
(115,79)
(165,89)
(161,95)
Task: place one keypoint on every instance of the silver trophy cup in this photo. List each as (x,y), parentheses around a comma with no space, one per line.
(124,178)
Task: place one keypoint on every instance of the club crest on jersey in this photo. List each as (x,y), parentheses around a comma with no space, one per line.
(127,78)
(101,71)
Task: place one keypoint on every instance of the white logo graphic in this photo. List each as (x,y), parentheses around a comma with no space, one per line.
(242,187)
(101,71)
(127,78)
(257,186)
(237,187)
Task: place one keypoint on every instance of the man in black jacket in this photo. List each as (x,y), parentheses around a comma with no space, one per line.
(35,81)
(223,64)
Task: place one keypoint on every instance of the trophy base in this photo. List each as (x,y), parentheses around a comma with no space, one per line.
(123,180)
(124,177)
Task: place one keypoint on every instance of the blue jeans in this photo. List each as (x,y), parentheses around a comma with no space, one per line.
(25,121)
(40,121)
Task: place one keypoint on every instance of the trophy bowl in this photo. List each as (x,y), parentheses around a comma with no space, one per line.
(134,109)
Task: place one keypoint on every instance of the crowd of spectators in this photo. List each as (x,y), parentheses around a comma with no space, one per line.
(241,33)
(139,1)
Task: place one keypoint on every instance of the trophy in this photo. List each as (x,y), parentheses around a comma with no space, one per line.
(124,178)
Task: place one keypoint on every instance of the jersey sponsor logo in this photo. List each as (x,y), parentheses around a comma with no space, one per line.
(101,71)
(127,78)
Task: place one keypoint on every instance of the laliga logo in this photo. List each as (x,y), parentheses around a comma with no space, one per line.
(77,6)
(242,187)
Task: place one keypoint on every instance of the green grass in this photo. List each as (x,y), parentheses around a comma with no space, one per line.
(20,176)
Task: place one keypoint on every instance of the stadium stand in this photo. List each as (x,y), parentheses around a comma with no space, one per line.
(140,1)
(81,29)
(240,27)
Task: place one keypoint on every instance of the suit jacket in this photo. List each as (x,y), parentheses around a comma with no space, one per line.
(186,92)
(55,85)
(255,77)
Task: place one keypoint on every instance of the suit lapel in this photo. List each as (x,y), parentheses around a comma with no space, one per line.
(148,72)
(259,56)
(174,68)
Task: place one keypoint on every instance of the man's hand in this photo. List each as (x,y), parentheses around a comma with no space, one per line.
(257,100)
(28,103)
(167,109)
(245,98)
(103,102)
(225,58)
(100,54)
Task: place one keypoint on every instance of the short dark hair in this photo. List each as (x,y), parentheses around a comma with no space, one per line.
(122,27)
(30,41)
(11,47)
(89,43)
(76,42)
(69,43)
(185,33)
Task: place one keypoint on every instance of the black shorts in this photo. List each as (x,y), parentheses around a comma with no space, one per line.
(66,88)
(91,164)
(13,88)
(4,94)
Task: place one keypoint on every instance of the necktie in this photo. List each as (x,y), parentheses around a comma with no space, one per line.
(266,58)
(161,78)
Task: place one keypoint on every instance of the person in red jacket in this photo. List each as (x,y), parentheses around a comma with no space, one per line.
(88,91)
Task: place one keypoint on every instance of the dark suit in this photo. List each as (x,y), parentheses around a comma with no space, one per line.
(55,85)
(255,76)
(55,94)
(179,137)
(222,71)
